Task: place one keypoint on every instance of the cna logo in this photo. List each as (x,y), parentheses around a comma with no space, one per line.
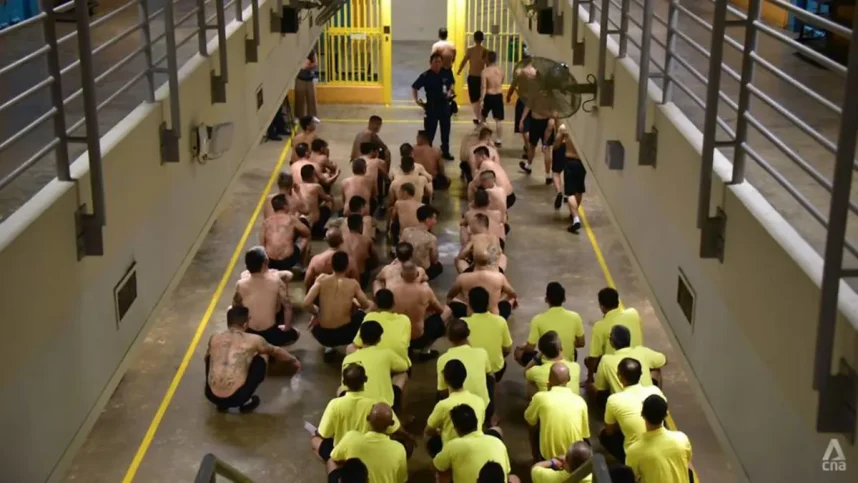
(834,459)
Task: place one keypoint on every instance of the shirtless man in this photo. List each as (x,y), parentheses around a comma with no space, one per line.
(407,151)
(306,136)
(484,141)
(541,131)
(481,241)
(480,205)
(376,170)
(320,157)
(321,263)
(430,159)
(476,57)
(424,242)
(415,299)
(491,98)
(285,239)
(317,200)
(265,293)
(358,205)
(483,161)
(360,248)
(302,151)
(565,161)
(422,188)
(522,123)
(502,297)
(337,304)
(445,48)
(403,213)
(497,195)
(391,274)
(370,135)
(236,364)
(359,184)
(286,186)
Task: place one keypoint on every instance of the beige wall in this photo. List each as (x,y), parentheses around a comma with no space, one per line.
(418,19)
(64,353)
(751,348)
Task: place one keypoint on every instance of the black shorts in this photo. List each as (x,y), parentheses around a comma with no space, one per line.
(573,177)
(504,308)
(397,398)
(326,448)
(503,244)
(492,432)
(433,329)
(558,159)
(499,374)
(490,409)
(255,376)
(510,200)
(459,309)
(493,103)
(440,182)
(537,132)
(343,335)
(288,263)
(519,110)
(303,219)
(274,335)
(475,85)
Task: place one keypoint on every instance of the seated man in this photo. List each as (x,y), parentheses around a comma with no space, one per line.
(358,185)
(319,203)
(391,274)
(567,324)
(659,454)
(306,136)
(609,304)
(488,331)
(236,364)
(285,239)
(406,151)
(303,152)
(480,205)
(376,171)
(607,379)
(430,159)
(265,294)
(623,421)
(560,470)
(403,213)
(557,417)
(493,472)
(331,302)
(484,242)
(484,142)
(322,262)
(424,242)
(357,205)
(480,379)
(319,156)
(370,135)
(463,458)
(502,297)
(439,427)
(487,181)
(295,203)
(385,369)
(537,371)
(385,459)
(415,299)
(360,248)
(397,327)
(485,163)
(422,187)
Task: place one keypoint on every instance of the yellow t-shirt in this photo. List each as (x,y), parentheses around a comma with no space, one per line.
(624,408)
(440,417)
(476,362)
(566,323)
(348,413)
(562,417)
(600,343)
(539,474)
(538,375)
(466,455)
(490,332)
(660,456)
(384,458)
(397,332)
(378,363)
(606,374)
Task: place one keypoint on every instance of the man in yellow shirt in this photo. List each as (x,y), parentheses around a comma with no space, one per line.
(623,421)
(566,323)
(607,379)
(385,459)
(489,331)
(439,427)
(609,303)
(659,455)
(557,417)
(537,372)
(480,377)
(380,364)
(464,457)
(397,327)
(560,470)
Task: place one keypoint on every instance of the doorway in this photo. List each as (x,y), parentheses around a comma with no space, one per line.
(415,25)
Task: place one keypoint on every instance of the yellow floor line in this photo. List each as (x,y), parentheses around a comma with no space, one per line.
(670,423)
(386,121)
(189,354)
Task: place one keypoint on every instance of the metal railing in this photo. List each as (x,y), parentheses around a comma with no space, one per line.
(211,467)
(127,56)
(780,119)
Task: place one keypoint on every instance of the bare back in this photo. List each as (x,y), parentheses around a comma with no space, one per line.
(357,185)
(447,51)
(488,245)
(494,80)
(391,275)
(492,281)
(476,59)
(429,158)
(364,136)
(495,221)
(261,293)
(357,246)
(406,212)
(296,171)
(278,235)
(335,300)
(415,179)
(311,193)
(501,178)
(302,137)
(230,354)
(412,299)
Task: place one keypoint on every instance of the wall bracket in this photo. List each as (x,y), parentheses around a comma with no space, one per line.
(712,236)
(218,89)
(169,145)
(251,53)
(606,93)
(838,403)
(648,149)
(90,239)
(578,53)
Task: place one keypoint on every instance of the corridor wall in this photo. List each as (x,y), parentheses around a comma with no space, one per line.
(65,350)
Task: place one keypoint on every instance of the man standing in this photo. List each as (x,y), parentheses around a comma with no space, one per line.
(491,97)
(437,83)
(445,49)
(476,57)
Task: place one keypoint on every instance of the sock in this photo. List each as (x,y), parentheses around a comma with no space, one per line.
(576,220)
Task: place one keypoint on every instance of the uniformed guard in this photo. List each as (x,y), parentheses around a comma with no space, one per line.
(437,83)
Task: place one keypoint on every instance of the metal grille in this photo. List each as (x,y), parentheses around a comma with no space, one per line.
(350,47)
(496,21)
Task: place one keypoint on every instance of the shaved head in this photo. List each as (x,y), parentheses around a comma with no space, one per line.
(380,417)
(334,237)
(577,455)
(481,258)
(559,375)
(409,271)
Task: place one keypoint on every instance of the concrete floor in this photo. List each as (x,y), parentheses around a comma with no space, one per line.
(271,445)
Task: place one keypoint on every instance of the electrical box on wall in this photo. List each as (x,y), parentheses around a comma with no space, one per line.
(615,155)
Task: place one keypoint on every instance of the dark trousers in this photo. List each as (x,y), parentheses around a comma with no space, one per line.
(434,117)
(434,270)
(613,444)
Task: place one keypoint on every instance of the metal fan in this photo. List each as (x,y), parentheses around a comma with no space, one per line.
(548,89)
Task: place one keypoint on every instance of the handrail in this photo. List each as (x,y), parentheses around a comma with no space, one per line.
(211,466)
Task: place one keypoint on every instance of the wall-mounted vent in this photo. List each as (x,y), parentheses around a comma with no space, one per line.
(125,293)
(685,297)
(260,98)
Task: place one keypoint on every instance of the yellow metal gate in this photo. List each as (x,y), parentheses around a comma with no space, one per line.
(494,19)
(355,55)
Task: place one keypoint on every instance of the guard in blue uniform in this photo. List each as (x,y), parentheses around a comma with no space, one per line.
(437,83)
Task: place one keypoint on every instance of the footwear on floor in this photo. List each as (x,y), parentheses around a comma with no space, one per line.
(524,167)
(558,201)
(250,405)
(548,181)
(574,227)
(447,156)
